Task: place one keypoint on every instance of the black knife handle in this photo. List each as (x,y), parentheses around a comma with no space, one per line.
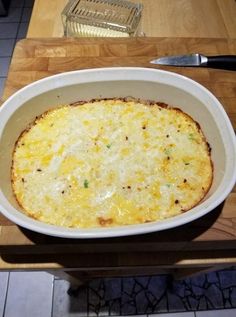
(222,62)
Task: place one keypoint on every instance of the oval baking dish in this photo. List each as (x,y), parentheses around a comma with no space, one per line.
(148,84)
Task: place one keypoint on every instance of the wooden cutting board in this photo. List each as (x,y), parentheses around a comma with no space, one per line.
(34,59)
(37,58)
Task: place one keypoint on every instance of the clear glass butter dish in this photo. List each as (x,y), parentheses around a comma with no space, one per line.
(105,18)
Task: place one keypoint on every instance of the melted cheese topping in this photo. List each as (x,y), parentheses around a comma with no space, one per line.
(110,163)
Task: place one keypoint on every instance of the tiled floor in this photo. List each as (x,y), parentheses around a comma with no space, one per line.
(147,295)
(12,28)
(26,294)
(39,294)
(29,294)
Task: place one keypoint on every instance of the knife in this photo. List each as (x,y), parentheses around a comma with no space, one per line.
(220,61)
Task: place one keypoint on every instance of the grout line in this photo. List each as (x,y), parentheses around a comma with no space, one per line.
(53,289)
(5,301)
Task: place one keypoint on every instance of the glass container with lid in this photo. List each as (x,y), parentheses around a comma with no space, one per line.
(105,18)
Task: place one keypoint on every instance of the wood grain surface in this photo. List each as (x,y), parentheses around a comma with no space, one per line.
(161,18)
(208,240)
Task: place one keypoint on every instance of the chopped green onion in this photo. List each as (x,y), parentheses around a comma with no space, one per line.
(191,136)
(108,146)
(86,183)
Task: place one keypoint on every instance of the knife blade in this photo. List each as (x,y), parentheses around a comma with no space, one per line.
(221,61)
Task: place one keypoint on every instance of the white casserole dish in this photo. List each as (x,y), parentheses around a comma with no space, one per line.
(22,108)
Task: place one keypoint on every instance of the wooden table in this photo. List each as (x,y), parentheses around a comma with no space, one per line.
(207,243)
(161,18)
